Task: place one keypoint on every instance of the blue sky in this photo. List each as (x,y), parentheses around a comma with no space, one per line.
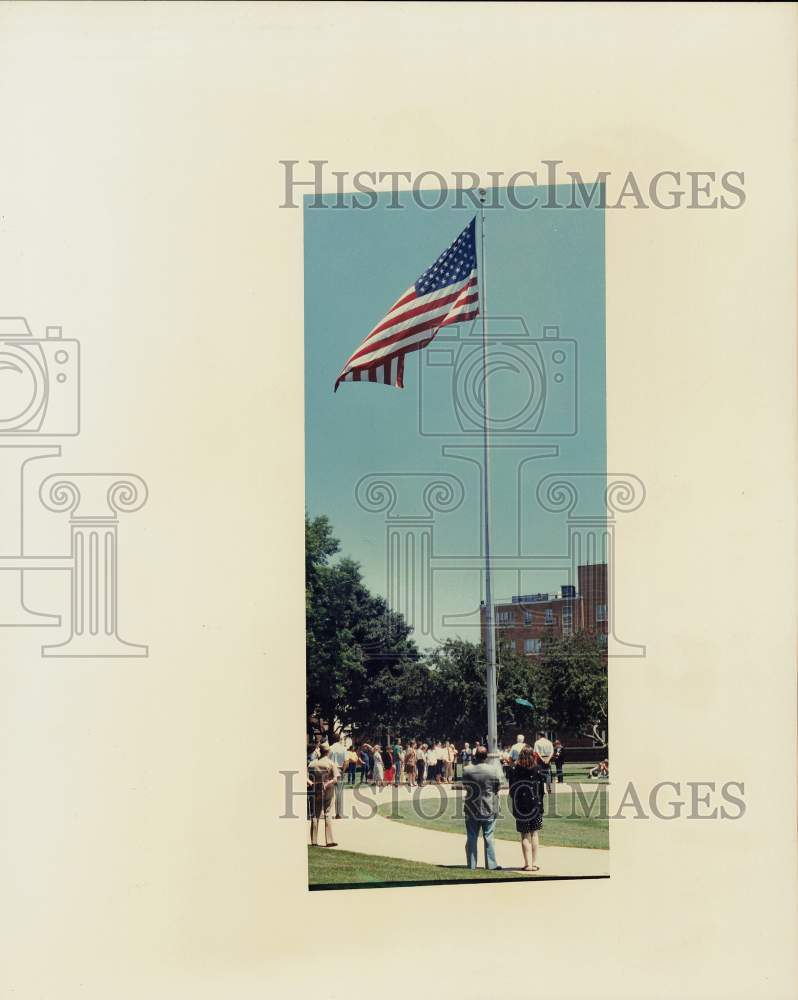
(545,295)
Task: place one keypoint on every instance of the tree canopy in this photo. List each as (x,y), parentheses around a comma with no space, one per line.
(365,672)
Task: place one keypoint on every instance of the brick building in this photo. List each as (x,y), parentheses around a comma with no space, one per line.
(525,620)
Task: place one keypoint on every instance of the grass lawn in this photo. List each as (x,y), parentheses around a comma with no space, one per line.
(568,823)
(334,867)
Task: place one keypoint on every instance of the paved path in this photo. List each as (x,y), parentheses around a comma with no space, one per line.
(395,839)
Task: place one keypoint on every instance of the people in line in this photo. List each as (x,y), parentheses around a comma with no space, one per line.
(416,763)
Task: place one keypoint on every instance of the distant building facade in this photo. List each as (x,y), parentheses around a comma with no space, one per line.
(525,621)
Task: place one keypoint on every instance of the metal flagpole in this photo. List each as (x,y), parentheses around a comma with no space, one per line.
(490,627)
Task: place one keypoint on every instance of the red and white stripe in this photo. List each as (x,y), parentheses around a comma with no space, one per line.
(410,325)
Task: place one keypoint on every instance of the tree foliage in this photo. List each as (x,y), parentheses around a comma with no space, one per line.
(356,647)
(574,675)
(364,670)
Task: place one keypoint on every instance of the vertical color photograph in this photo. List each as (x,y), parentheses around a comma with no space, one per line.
(458,539)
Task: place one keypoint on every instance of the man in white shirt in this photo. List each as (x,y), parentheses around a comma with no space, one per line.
(544,748)
(338,752)
(517,747)
(432,764)
(441,757)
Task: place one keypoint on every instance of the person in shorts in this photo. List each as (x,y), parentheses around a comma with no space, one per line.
(410,764)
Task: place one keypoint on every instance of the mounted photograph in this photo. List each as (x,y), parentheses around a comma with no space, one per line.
(459,539)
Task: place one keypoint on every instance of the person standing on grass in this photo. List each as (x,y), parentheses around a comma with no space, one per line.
(544,748)
(517,747)
(440,762)
(410,764)
(377,769)
(352,761)
(387,758)
(432,764)
(559,760)
(323,777)
(398,760)
(421,764)
(451,759)
(338,755)
(481,781)
(526,803)
(363,757)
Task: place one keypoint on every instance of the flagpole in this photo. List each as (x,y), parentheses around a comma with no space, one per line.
(490,627)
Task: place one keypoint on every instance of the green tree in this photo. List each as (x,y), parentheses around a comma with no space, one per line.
(458,692)
(456,707)
(518,677)
(573,675)
(352,637)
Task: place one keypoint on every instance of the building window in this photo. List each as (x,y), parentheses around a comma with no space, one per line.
(503,617)
(549,616)
(567,620)
(527,618)
(602,639)
(601,612)
(531,645)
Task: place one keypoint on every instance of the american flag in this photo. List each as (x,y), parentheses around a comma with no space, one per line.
(445,293)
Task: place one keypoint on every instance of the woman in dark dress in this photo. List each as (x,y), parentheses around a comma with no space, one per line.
(387,759)
(527,784)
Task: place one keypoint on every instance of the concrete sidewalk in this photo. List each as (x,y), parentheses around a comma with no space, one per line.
(395,839)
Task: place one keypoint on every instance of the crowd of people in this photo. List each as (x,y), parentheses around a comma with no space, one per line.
(416,763)
(413,763)
(526,769)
